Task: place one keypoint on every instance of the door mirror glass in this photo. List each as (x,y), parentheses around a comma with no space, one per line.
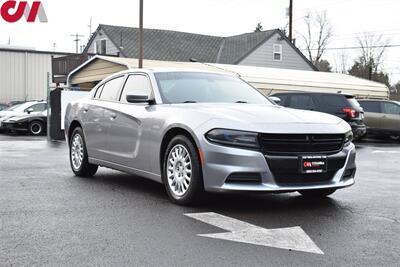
(30,110)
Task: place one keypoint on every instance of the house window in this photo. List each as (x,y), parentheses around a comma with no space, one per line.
(277,50)
(101,47)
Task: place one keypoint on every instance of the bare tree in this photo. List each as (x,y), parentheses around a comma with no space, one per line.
(317,37)
(372,49)
(341,62)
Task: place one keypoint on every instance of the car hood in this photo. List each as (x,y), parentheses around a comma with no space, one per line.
(251,113)
(263,118)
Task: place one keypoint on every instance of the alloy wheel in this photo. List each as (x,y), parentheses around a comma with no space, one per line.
(179,170)
(77,151)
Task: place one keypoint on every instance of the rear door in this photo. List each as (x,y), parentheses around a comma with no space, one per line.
(391,117)
(97,116)
(373,115)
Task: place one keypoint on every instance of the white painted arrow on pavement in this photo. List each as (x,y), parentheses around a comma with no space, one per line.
(293,238)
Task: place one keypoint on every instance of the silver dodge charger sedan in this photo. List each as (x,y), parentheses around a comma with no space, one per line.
(198,132)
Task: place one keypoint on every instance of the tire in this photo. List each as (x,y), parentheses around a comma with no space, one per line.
(317,193)
(78,156)
(181,173)
(36,128)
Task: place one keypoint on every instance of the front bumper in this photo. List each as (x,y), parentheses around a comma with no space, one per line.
(14,126)
(222,162)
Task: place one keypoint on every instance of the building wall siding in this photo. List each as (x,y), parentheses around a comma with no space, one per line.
(263,56)
(111,48)
(23,75)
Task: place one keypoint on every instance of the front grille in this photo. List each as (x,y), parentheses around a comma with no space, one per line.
(244,177)
(301,143)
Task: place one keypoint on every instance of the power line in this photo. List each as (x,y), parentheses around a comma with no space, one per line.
(356,47)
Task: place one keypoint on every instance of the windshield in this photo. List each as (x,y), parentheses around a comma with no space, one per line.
(197,87)
(12,108)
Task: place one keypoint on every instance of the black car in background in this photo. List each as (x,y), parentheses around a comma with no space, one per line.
(34,124)
(341,105)
(3,106)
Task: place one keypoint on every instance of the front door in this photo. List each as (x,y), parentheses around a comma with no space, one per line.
(128,126)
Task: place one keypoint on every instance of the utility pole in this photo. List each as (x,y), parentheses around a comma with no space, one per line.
(141,35)
(290,20)
(76,40)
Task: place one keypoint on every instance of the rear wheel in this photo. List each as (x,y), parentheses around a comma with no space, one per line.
(182,174)
(317,193)
(36,128)
(78,155)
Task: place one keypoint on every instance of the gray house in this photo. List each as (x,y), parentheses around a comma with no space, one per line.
(264,49)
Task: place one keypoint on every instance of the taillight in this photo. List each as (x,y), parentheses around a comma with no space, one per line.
(350,113)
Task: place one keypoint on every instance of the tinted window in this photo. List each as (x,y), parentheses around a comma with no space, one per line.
(38,107)
(371,106)
(332,100)
(111,88)
(136,84)
(390,108)
(180,87)
(302,102)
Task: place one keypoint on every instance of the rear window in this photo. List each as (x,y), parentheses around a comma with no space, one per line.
(353,102)
(371,106)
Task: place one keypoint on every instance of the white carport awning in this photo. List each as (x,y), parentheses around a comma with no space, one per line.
(267,80)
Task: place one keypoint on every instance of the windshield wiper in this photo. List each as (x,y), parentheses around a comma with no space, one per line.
(241,102)
(189,101)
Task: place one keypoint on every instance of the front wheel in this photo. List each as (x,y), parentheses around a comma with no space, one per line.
(182,174)
(317,193)
(78,155)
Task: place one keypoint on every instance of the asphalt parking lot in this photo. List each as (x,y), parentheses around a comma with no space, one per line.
(49,217)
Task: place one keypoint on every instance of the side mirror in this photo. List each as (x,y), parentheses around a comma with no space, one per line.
(29,110)
(139,99)
(277,100)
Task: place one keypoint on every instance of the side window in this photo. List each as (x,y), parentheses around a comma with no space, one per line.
(111,89)
(371,106)
(337,101)
(390,108)
(302,102)
(136,84)
(284,100)
(37,107)
(277,50)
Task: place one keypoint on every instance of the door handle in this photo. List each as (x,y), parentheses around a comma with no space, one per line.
(113,115)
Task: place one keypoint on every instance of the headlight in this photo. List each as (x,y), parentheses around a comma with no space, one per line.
(348,137)
(233,138)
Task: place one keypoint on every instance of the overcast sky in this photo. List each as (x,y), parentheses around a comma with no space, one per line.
(349,19)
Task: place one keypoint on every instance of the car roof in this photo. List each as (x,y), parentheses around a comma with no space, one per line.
(313,93)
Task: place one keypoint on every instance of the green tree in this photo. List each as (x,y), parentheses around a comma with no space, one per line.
(368,70)
(259,27)
(323,65)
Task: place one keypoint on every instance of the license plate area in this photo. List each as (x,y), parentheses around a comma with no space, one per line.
(313,164)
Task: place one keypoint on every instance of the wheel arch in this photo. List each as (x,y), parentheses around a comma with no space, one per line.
(171,133)
(74,124)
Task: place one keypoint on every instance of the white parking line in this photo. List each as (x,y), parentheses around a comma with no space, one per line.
(386,151)
(293,238)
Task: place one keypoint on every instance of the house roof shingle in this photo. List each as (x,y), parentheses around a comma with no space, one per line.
(181,46)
